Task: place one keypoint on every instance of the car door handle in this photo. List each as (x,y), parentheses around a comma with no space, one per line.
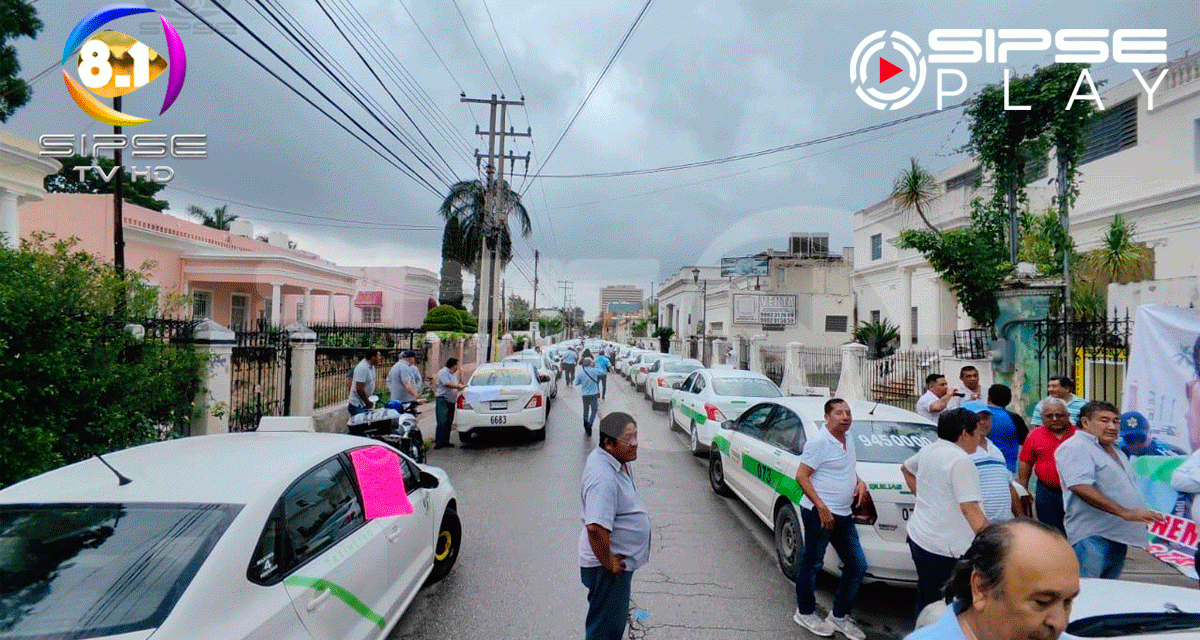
(318,600)
(394,533)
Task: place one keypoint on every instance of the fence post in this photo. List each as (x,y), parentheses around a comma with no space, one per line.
(850,383)
(717,355)
(433,354)
(216,382)
(506,346)
(303,343)
(756,359)
(795,374)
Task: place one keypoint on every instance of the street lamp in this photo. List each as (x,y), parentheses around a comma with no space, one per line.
(704,320)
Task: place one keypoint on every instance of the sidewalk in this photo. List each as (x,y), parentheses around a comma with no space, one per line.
(1140,566)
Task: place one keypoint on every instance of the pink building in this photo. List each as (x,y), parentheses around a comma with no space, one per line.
(233,278)
(387,296)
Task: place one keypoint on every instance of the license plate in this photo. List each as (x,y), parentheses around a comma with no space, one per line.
(498,405)
(905,511)
(498,419)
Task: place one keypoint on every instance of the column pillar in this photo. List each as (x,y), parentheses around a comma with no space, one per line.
(332,316)
(433,355)
(850,383)
(276,305)
(906,326)
(756,343)
(795,374)
(215,392)
(10,218)
(303,343)
(302,318)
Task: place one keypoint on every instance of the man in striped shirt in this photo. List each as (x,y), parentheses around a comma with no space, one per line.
(1000,501)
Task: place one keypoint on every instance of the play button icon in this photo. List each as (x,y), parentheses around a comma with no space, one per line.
(887,70)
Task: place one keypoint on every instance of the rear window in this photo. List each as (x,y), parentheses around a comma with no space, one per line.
(887,441)
(82,571)
(681,367)
(501,377)
(750,387)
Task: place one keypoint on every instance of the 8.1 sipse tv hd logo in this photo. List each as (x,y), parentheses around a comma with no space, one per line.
(900,64)
(111,64)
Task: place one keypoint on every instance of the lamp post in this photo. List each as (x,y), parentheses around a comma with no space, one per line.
(704,313)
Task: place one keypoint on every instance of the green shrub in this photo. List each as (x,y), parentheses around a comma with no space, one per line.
(469,323)
(73,382)
(443,318)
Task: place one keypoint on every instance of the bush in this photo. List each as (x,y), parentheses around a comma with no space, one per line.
(443,318)
(882,338)
(469,323)
(73,382)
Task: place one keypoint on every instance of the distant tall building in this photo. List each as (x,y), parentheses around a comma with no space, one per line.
(620,293)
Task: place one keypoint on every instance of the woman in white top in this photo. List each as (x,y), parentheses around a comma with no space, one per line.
(947,515)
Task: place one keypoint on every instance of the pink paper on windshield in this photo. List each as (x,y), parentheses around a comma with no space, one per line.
(381,482)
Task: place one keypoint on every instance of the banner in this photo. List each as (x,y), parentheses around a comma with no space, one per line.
(1162,383)
(745,266)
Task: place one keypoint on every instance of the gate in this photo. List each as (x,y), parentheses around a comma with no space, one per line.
(1092,352)
(743,353)
(261,371)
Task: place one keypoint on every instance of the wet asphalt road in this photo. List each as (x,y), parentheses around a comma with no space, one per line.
(712,571)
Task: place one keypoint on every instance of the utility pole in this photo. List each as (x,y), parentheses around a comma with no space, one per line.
(533,321)
(119,218)
(497,209)
(566,317)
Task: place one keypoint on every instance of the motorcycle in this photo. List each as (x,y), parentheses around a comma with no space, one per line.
(395,425)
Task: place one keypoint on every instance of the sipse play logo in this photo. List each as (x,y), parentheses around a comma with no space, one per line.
(887,68)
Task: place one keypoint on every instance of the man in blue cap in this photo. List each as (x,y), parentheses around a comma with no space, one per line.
(1137,441)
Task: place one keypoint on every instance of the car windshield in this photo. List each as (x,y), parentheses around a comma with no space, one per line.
(681,367)
(501,377)
(1119,625)
(89,570)
(889,441)
(748,387)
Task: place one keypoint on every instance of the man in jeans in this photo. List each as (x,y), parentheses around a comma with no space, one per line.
(448,386)
(1037,459)
(828,475)
(1104,508)
(588,379)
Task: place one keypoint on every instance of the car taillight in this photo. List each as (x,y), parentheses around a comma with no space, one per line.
(864,513)
(713,412)
(662,383)
(462,403)
(534,402)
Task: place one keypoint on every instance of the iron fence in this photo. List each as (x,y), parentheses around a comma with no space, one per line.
(260,377)
(972,344)
(1093,352)
(899,379)
(367,336)
(823,364)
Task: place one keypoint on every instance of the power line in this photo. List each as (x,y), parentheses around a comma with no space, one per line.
(254,205)
(474,42)
(502,49)
(596,84)
(402,166)
(445,66)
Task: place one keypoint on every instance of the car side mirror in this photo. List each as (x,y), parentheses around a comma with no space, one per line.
(429,481)
(728,424)
(543,377)
(676,385)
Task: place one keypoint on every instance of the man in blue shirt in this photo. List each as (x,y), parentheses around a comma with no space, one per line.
(588,380)
(1004,433)
(569,359)
(604,364)
(1016,581)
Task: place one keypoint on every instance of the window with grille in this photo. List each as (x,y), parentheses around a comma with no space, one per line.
(877,246)
(913,319)
(1110,131)
(836,324)
(239,309)
(876,315)
(372,315)
(202,304)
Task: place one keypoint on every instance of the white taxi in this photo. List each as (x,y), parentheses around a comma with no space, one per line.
(243,536)
(501,395)
(546,372)
(664,377)
(709,397)
(640,371)
(756,456)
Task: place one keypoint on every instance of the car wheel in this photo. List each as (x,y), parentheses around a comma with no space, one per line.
(466,436)
(445,546)
(789,540)
(671,418)
(695,438)
(716,474)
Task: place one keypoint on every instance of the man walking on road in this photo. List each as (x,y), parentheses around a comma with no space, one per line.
(615,540)
(1037,458)
(588,380)
(828,475)
(1104,508)
(362,382)
(604,363)
(448,386)
(569,359)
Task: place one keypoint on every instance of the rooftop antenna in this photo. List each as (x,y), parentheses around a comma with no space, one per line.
(121,480)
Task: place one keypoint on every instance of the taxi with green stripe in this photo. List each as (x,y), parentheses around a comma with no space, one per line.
(755,457)
(708,397)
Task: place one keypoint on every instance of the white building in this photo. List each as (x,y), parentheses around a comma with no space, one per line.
(1142,163)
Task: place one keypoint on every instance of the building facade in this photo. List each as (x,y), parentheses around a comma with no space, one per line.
(623,293)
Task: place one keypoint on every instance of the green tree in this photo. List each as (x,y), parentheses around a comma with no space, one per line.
(881,338)
(470,324)
(443,318)
(550,325)
(219,218)
(17,18)
(915,188)
(519,313)
(466,205)
(73,381)
(66,180)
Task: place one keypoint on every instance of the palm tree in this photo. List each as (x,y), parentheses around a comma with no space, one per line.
(1119,258)
(465,207)
(915,188)
(218,219)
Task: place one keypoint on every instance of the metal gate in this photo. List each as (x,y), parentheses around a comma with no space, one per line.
(261,372)
(1092,352)
(743,353)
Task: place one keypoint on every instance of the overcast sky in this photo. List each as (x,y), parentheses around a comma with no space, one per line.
(697,80)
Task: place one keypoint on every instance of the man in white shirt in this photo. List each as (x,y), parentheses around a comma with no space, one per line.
(968,388)
(829,478)
(936,398)
(947,514)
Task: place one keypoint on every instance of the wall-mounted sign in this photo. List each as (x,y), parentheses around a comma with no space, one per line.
(764,309)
